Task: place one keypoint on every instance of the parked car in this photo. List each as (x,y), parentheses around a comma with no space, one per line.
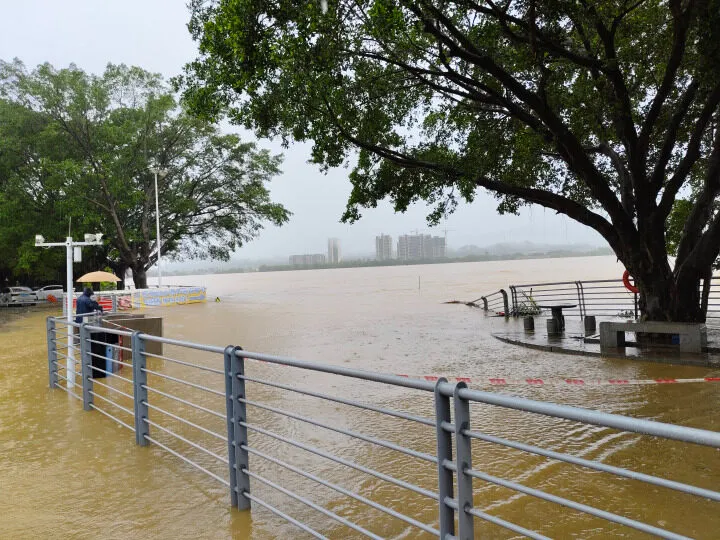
(55,290)
(16,296)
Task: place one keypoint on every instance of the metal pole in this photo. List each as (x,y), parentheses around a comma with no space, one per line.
(505,303)
(229,406)
(157,232)
(463,458)
(85,364)
(242,459)
(444,453)
(140,394)
(70,361)
(52,352)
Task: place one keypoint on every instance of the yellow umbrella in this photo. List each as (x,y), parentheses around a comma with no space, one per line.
(97,277)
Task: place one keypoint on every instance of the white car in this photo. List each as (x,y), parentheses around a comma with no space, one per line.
(17,296)
(44,292)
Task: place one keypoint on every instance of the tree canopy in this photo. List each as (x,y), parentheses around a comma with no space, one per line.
(80,146)
(606,111)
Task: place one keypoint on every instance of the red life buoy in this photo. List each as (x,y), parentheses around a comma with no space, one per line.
(629,286)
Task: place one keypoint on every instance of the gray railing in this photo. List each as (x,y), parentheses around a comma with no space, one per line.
(497,302)
(221,428)
(601,297)
(607,297)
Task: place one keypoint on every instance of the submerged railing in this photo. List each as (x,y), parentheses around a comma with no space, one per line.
(600,297)
(222,424)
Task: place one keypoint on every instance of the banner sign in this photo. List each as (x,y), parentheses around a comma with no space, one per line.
(168,297)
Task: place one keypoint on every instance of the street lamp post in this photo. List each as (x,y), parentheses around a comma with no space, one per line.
(69,244)
(163,174)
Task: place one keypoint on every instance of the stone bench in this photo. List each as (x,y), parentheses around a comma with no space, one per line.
(692,336)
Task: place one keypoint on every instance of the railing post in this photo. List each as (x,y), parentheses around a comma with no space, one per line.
(52,352)
(140,393)
(85,367)
(114,303)
(505,303)
(485,305)
(239,460)
(232,466)
(444,454)
(463,459)
(578,286)
(513,294)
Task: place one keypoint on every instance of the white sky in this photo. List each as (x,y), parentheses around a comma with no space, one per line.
(152,34)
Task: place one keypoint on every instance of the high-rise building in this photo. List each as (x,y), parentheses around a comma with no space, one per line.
(439,248)
(418,247)
(334,256)
(383,247)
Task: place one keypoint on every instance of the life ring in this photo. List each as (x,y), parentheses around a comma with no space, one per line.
(629,286)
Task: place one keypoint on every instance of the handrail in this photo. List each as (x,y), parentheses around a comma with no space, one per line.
(245,419)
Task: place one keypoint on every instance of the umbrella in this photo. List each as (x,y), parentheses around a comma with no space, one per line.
(97,277)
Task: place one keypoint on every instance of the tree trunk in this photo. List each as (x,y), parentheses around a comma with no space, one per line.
(139,276)
(665,298)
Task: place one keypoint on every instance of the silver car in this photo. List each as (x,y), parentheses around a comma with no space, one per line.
(17,296)
(44,292)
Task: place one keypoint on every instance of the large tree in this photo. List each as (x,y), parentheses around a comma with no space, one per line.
(90,141)
(606,112)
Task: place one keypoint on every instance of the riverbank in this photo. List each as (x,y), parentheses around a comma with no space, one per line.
(97,483)
(371,263)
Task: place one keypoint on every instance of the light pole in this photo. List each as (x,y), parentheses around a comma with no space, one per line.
(90,240)
(163,174)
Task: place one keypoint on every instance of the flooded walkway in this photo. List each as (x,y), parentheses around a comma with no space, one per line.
(79,475)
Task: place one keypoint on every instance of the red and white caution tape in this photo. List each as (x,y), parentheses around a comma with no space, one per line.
(500,381)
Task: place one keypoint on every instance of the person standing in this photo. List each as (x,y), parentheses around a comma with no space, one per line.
(85,304)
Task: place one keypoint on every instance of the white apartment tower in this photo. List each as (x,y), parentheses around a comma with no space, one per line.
(334,256)
(383,247)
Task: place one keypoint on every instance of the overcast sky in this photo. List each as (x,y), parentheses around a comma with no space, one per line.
(152,34)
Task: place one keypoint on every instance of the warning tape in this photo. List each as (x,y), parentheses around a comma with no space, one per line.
(500,381)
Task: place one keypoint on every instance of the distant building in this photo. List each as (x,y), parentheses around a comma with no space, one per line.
(418,247)
(333,256)
(383,247)
(307,260)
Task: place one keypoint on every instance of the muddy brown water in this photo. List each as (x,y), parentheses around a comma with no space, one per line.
(66,473)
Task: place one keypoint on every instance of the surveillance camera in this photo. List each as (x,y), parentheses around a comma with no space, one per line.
(39,239)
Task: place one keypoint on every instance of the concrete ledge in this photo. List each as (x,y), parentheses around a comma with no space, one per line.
(692,337)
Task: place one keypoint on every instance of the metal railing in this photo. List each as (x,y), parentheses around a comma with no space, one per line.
(209,412)
(607,297)
(497,302)
(601,297)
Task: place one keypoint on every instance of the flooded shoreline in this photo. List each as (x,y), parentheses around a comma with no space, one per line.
(98,483)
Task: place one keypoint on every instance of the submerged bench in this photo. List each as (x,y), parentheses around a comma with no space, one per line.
(692,337)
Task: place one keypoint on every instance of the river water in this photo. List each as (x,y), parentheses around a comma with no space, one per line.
(67,473)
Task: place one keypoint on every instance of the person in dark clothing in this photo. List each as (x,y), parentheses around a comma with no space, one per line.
(85,304)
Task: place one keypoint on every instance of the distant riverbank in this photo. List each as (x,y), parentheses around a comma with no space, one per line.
(558,254)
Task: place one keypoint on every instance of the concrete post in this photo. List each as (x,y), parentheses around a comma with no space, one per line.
(590,324)
(529,323)
(553,327)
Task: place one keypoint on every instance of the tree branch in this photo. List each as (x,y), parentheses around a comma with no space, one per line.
(692,154)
